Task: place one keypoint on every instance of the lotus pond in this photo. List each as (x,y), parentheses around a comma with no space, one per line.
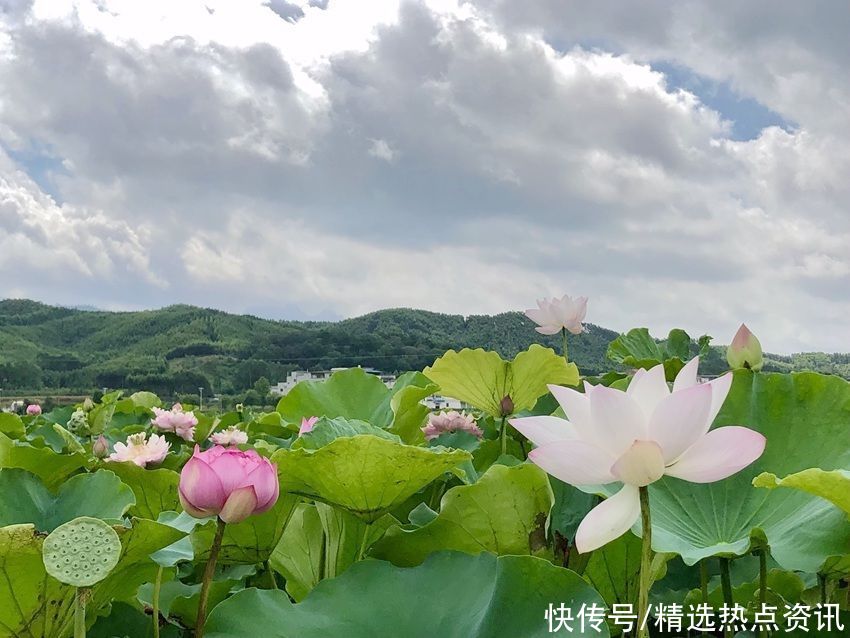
(648,501)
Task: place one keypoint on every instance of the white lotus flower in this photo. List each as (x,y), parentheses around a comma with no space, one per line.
(636,437)
(554,315)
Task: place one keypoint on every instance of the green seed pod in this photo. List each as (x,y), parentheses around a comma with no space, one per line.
(81,552)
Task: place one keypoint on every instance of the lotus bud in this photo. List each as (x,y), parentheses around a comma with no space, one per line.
(33,409)
(745,350)
(229,483)
(506,405)
(100,448)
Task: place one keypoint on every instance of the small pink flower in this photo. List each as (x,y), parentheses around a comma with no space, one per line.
(229,483)
(33,409)
(175,420)
(452,421)
(231,436)
(141,451)
(307,424)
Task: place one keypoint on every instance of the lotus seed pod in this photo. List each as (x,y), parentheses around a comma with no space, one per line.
(81,552)
(78,423)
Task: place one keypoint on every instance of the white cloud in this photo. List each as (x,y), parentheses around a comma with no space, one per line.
(460,157)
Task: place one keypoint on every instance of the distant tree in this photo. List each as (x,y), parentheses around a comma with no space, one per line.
(262,387)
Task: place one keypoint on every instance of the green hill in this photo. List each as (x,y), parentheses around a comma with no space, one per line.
(180,348)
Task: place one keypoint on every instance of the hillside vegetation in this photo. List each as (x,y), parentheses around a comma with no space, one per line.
(181,348)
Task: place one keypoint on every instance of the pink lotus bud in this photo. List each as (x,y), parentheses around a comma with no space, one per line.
(506,405)
(33,409)
(307,424)
(229,483)
(100,448)
(745,350)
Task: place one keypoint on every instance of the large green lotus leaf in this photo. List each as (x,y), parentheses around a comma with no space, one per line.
(299,555)
(321,542)
(36,604)
(834,485)
(452,595)
(638,349)
(25,499)
(155,489)
(806,419)
(482,378)
(326,430)
(249,542)
(12,425)
(356,394)
(405,401)
(364,474)
(53,468)
(145,400)
(125,621)
(505,512)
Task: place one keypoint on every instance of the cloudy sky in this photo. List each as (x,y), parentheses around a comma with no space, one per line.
(682,164)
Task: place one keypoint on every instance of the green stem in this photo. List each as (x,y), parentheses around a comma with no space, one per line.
(564,336)
(209,572)
(272,578)
(762,581)
(703,580)
(80,599)
(822,582)
(726,584)
(363,541)
(504,435)
(645,564)
(157,585)
(437,495)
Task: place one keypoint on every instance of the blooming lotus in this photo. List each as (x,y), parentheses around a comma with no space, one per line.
(176,420)
(229,483)
(231,436)
(33,409)
(307,425)
(554,315)
(636,437)
(745,350)
(451,421)
(141,450)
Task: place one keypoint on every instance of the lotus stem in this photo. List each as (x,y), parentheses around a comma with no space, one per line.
(272,578)
(762,581)
(80,599)
(209,572)
(726,584)
(564,336)
(504,436)
(822,583)
(157,585)
(703,580)
(645,564)
(364,541)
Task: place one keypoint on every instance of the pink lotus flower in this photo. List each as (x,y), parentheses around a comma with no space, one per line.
(636,437)
(231,436)
(307,424)
(452,421)
(554,315)
(33,409)
(229,483)
(745,350)
(141,451)
(176,420)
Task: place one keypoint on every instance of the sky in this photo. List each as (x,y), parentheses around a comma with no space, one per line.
(681,164)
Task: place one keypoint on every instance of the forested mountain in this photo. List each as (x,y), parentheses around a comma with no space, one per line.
(181,348)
